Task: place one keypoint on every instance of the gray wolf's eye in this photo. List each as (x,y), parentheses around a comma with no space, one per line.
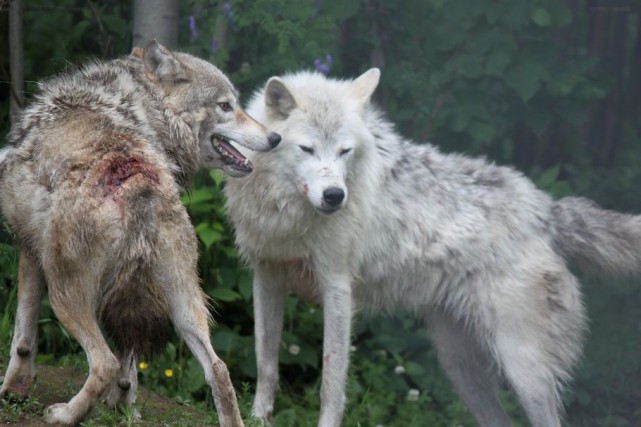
(307,149)
(225,106)
(345,151)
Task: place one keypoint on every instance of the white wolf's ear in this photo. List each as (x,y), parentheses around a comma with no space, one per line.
(364,86)
(162,64)
(278,99)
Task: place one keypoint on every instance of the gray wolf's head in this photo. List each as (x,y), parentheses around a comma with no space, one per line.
(206,100)
(322,124)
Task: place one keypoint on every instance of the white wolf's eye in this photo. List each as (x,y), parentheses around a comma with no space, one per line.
(225,106)
(345,151)
(307,149)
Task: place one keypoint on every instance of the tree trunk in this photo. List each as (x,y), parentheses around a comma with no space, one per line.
(156,19)
(16,57)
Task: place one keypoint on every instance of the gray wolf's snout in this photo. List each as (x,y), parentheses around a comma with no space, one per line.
(274,139)
(333,196)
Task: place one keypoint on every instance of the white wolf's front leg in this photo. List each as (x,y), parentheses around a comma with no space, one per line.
(337,308)
(269,298)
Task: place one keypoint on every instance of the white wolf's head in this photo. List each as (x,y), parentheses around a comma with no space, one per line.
(321,127)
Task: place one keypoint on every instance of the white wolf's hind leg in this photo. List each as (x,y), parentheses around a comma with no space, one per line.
(524,364)
(470,369)
(21,370)
(269,300)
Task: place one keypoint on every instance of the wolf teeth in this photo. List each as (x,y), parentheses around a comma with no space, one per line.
(220,147)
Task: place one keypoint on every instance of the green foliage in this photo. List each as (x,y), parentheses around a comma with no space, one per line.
(518,81)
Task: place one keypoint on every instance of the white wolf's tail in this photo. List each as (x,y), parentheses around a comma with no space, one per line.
(601,240)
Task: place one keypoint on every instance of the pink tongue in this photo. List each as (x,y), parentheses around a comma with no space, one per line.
(235,153)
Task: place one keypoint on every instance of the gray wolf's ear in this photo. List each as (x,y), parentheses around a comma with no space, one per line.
(363,86)
(138,52)
(162,64)
(278,99)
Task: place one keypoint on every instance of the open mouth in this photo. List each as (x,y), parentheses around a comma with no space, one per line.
(229,155)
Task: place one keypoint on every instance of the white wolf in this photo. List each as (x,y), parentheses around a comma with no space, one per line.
(348,213)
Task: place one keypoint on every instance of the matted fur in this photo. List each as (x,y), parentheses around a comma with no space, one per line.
(474,249)
(90,184)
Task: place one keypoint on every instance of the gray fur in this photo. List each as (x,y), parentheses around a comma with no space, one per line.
(473,248)
(91,184)
(602,241)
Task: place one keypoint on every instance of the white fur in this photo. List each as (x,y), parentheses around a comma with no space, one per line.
(473,248)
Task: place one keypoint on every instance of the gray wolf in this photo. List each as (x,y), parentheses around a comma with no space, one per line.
(348,213)
(90,185)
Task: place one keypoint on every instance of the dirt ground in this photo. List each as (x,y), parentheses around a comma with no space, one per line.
(59,384)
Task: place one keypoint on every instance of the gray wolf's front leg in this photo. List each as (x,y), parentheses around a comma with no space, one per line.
(21,370)
(337,310)
(269,298)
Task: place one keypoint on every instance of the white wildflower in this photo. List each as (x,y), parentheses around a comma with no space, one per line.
(399,370)
(294,349)
(412,395)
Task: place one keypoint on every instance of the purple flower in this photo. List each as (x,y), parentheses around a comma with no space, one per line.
(228,12)
(193,32)
(324,67)
(214,45)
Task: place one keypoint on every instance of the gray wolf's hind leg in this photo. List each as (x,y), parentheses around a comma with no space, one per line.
(71,300)
(191,322)
(190,317)
(21,370)
(470,369)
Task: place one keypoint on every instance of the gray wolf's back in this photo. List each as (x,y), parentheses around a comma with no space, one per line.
(101,187)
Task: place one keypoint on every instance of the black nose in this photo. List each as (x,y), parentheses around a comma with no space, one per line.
(273,138)
(333,196)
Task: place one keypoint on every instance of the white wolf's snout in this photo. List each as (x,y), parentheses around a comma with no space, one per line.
(333,196)
(326,191)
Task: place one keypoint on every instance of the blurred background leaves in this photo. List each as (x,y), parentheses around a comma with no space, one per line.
(549,86)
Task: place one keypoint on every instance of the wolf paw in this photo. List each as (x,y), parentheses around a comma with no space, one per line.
(14,392)
(61,413)
(264,413)
(17,383)
(121,393)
